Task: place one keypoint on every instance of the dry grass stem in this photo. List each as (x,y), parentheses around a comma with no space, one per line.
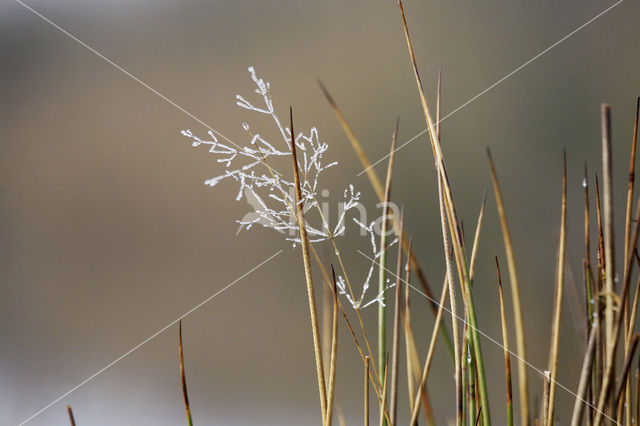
(308,276)
(505,345)
(366,391)
(379,190)
(430,353)
(334,353)
(183,380)
(72,420)
(515,294)
(609,253)
(557,313)
(585,377)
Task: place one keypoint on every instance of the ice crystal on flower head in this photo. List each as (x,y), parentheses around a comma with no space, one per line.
(341,282)
(270,193)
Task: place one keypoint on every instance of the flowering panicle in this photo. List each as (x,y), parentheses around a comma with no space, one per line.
(270,194)
(376,254)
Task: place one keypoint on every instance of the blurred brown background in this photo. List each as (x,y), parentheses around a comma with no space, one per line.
(108,233)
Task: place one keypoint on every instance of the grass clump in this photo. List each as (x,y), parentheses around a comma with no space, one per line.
(606,391)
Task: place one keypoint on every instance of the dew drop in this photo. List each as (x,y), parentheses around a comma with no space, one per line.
(584,182)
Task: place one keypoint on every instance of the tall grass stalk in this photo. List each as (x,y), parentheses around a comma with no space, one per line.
(515,295)
(382,278)
(456,237)
(627,248)
(609,253)
(313,311)
(505,344)
(334,353)
(557,313)
(430,353)
(366,391)
(376,184)
(585,375)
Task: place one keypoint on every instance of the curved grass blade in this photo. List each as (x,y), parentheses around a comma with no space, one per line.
(185,395)
(515,294)
(557,313)
(505,345)
(313,311)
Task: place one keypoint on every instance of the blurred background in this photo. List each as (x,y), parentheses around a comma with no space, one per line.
(108,232)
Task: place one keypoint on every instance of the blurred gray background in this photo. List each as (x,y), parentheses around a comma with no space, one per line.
(108,233)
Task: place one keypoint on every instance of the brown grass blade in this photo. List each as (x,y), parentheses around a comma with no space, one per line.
(612,345)
(72,420)
(374,376)
(585,376)
(588,278)
(505,345)
(334,353)
(183,380)
(413,360)
(457,242)
(587,218)
(601,351)
(457,239)
(625,373)
(627,230)
(637,399)
(366,391)
(557,314)
(600,236)
(313,311)
(327,312)
(476,238)
(478,416)
(609,251)
(634,312)
(430,353)
(515,294)
(376,183)
(371,173)
(631,184)
(453,304)
(545,398)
